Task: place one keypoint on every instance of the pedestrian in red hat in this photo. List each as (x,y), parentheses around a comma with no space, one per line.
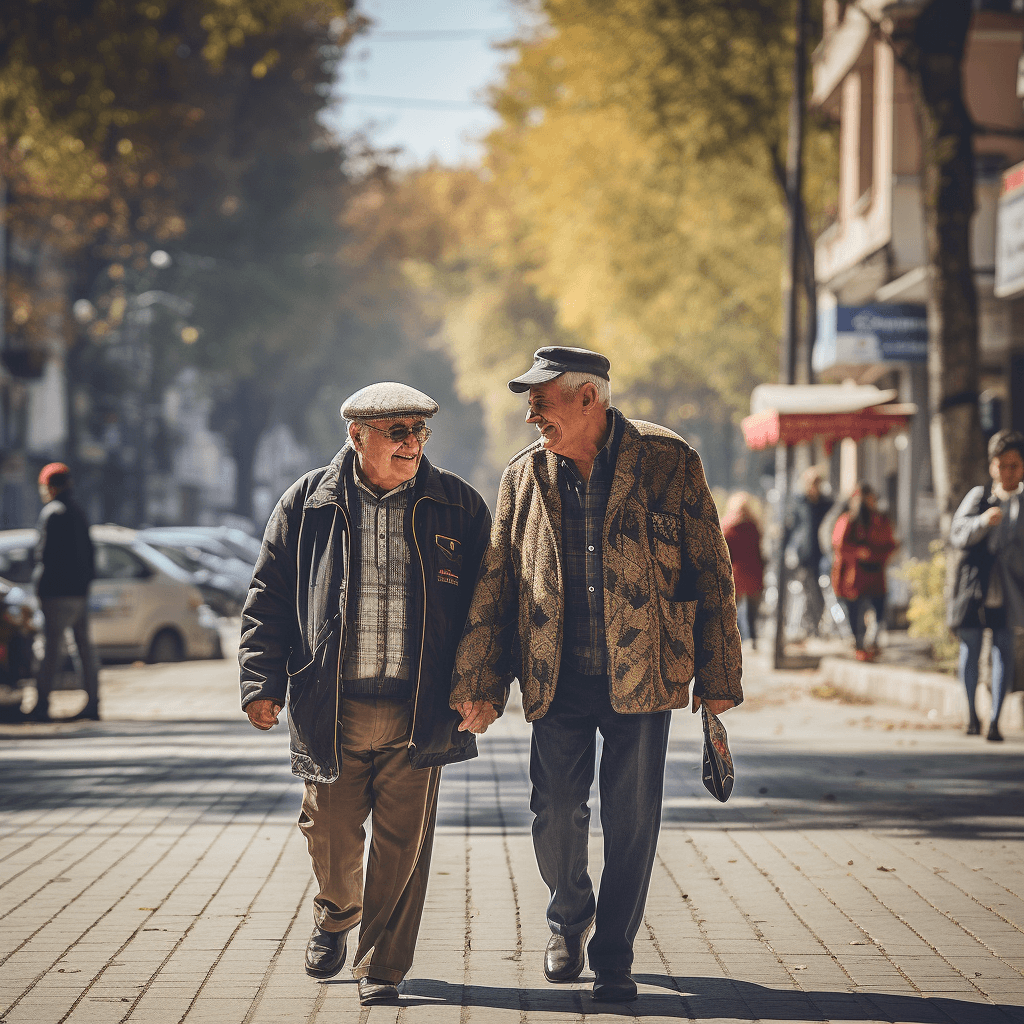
(64,569)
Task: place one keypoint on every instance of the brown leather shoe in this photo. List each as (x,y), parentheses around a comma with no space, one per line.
(325,953)
(612,986)
(563,956)
(373,990)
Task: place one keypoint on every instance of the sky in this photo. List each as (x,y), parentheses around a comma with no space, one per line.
(417,78)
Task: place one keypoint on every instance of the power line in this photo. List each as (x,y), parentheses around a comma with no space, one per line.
(410,101)
(432,35)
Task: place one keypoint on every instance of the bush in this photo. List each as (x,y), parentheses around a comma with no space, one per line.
(927,610)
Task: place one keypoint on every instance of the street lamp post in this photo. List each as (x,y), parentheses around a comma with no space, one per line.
(791,312)
(140,317)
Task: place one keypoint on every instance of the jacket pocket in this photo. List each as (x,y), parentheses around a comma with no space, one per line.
(672,569)
(676,634)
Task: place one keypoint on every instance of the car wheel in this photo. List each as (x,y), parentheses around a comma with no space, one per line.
(166,646)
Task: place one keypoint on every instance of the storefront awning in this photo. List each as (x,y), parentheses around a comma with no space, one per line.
(794,414)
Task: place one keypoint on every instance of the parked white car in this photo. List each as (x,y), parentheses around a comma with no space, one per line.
(141,605)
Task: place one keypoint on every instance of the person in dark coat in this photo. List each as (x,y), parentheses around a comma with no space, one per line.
(804,547)
(862,542)
(356,608)
(742,534)
(64,569)
(989,590)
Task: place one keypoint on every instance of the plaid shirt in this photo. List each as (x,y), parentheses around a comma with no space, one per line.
(377,653)
(584,648)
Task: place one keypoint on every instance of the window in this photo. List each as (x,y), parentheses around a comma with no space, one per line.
(114,562)
(16,564)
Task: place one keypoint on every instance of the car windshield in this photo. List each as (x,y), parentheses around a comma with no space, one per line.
(16,559)
(158,560)
(178,557)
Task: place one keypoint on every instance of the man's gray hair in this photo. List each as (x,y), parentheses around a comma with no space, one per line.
(572,381)
(362,431)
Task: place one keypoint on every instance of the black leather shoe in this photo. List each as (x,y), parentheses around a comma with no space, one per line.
(373,990)
(40,713)
(325,953)
(974,727)
(994,735)
(614,986)
(563,956)
(90,713)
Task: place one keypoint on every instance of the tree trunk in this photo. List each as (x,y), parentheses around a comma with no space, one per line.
(249,414)
(932,49)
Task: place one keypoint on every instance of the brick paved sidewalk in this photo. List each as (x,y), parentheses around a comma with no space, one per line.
(868,868)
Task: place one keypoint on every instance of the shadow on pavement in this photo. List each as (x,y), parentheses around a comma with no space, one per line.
(129,763)
(719,999)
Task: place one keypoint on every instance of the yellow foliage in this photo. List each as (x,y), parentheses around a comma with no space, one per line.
(927,610)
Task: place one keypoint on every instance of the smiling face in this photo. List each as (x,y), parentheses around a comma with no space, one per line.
(1008,469)
(386,463)
(566,422)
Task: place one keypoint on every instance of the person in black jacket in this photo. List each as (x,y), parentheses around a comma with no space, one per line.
(803,547)
(64,569)
(357,605)
(989,590)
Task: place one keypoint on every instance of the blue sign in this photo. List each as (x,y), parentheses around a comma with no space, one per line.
(894,333)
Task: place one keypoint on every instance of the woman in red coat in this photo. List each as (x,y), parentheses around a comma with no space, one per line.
(744,540)
(862,542)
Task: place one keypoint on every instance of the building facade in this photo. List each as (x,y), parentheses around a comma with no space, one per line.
(870,263)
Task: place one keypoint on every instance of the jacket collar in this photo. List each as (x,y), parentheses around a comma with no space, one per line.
(331,489)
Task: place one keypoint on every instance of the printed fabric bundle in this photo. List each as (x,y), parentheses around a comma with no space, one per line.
(717,771)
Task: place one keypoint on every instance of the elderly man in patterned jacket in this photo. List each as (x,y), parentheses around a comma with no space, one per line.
(606,589)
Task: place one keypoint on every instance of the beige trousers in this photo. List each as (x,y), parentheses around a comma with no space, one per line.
(376,778)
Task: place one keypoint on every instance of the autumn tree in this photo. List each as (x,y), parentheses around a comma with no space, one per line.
(631,200)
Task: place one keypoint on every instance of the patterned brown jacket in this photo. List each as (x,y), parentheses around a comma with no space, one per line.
(670,610)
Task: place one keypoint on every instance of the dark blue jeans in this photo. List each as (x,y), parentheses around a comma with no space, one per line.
(1002,667)
(856,608)
(631,784)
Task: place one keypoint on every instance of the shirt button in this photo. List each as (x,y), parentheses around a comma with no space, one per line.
(590,547)
(591,589)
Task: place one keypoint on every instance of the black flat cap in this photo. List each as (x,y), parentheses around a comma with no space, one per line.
(554,360)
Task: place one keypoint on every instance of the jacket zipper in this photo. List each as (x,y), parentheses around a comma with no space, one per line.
(341,647)
(423,636)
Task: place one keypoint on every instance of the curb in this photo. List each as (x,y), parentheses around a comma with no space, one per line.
(921,690)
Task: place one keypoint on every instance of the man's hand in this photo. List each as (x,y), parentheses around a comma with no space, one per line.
(993,516)
(477,715)
(716,707)
(263,713)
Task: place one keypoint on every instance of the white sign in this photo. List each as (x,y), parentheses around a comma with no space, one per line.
(1010,235)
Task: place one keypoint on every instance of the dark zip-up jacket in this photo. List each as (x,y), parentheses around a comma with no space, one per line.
(64,555)
(293,623)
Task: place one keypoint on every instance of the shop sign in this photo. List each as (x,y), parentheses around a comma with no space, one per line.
(882,333)
(1010,235)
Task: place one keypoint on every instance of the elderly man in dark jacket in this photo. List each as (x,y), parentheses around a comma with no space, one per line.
(357,604)
(606,589)
(64,569)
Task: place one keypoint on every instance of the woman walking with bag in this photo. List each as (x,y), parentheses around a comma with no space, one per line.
(862,543)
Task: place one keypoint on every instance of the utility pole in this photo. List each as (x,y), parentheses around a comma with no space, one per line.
(791,308)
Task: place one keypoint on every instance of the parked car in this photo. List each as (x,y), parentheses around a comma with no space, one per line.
(212,551)
(222,593)
(247,548)
(141,605)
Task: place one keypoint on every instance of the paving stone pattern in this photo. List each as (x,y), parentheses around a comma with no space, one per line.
(867,868)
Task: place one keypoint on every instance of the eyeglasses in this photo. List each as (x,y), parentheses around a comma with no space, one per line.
(399,432)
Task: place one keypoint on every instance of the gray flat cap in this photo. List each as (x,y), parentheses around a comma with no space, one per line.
(387,400)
